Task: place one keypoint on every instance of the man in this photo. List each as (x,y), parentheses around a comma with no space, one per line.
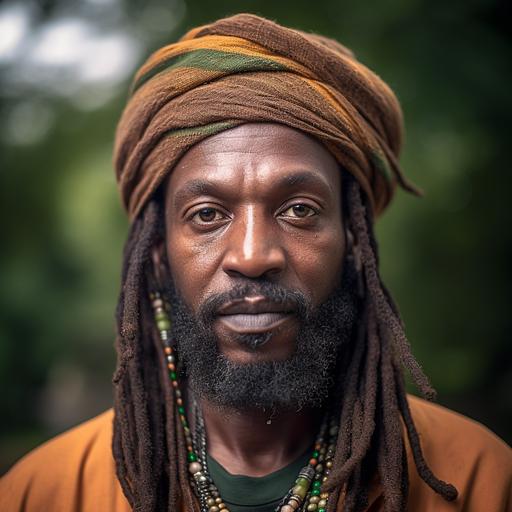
(260,355)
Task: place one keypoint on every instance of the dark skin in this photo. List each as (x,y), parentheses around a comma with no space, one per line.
(260,201)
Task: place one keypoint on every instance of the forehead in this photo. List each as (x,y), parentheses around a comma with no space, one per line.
(256,155)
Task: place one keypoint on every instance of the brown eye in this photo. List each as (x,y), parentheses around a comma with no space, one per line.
(207,215)
(299,211)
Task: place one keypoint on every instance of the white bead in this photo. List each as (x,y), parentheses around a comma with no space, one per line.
(195,467)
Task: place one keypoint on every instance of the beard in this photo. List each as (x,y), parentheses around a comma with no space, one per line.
(304,380)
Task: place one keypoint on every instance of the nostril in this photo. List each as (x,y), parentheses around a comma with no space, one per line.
(237,273)
(265,261)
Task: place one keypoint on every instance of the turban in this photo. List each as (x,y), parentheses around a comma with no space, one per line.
(247,69)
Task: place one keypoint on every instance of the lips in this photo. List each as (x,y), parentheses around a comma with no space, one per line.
(254,315)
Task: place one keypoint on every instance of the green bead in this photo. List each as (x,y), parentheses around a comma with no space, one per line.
(173,375)
(163,325)
(303,482)
(162,315)
(316,453)
(191,457)
(299,490)
(181,409)
(317,484)
(315,492)
(321,510)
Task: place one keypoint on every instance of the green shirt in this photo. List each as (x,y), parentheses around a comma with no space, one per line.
(256,494)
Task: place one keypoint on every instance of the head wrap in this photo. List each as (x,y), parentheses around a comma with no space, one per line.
(246,69)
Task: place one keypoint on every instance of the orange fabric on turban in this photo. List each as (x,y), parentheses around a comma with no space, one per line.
(248,69)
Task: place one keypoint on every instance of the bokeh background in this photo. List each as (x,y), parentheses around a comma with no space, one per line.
(64,72)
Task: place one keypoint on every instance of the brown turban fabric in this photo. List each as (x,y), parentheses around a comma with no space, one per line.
(247,69)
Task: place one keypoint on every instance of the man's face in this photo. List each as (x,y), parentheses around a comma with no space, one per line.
(258,204)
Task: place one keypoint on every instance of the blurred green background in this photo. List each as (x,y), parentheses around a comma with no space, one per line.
(64,72)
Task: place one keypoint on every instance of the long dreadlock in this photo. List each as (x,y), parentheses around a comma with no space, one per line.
(148,442)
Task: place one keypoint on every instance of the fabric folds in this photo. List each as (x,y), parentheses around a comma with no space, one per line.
(248,69)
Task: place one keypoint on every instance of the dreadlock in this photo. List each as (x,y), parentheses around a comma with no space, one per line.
(148,442)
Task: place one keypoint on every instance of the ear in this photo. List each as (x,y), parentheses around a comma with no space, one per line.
(160,265)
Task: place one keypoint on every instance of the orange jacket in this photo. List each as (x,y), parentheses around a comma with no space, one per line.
(75,472)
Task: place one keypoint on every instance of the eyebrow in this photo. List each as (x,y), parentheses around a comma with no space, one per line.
(302,178)
(195,188)
(200,187)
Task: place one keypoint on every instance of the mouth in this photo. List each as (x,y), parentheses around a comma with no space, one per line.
(254,315)
(254,323)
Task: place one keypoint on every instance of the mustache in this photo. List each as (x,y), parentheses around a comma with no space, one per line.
(272,292)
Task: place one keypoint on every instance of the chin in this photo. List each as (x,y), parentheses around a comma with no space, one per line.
(257,348)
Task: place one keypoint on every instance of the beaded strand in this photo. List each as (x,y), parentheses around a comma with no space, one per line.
(164,325)
(305,494)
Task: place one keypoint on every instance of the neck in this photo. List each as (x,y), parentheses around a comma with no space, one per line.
(256,442)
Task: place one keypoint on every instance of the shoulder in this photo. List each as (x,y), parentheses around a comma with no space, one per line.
(70,472)
(456,435)
(464,453)
(73,445)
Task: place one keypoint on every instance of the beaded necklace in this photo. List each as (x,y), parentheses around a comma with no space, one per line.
(304,495)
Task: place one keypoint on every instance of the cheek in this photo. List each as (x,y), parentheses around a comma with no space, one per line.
(192,264)
(318,262)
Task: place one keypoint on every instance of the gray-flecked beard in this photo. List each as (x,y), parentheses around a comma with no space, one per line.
(305,379)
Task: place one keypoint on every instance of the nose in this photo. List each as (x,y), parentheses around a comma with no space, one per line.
(254,249)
